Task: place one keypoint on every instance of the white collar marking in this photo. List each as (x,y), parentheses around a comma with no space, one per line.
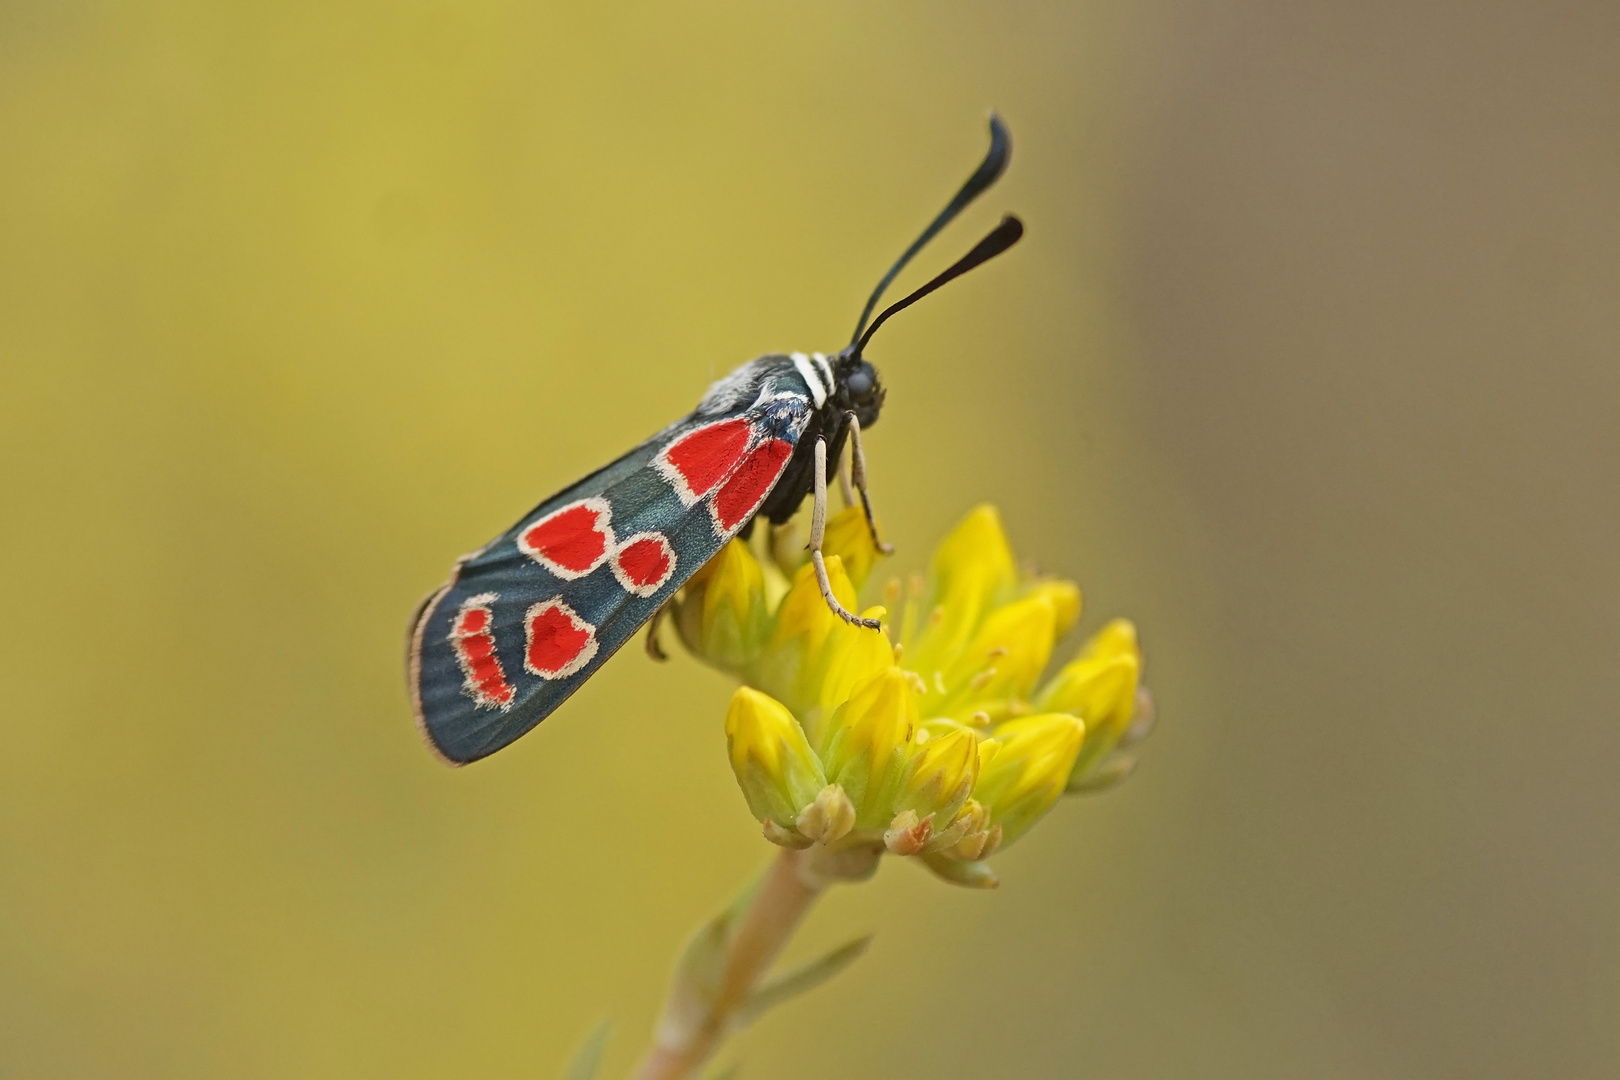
(818,389)
(826,370)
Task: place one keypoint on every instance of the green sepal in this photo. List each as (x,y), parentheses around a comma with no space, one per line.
(973,875)
(1100,779)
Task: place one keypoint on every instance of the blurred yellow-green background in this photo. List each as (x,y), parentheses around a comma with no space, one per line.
(1308,364)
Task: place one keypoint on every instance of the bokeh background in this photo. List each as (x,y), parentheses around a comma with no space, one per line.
(1308,364)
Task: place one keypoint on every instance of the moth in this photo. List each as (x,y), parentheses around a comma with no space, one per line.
(527,618)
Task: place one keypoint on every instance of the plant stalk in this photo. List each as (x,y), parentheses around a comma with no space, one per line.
(696,1020)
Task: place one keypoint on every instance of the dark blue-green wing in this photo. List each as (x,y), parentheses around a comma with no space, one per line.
(529,617)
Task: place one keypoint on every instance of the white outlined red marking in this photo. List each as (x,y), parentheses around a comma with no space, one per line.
(643,563)
(746,488)
(572,541)
(697,461)
(557,642)
(473,640)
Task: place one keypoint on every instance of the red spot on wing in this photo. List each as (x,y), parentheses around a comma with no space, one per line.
(644,562)
(560,643)
(749,485)
(700,459)
(571,541)
(474,645)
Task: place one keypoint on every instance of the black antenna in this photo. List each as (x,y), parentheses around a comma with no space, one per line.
(988,172)
(999,239)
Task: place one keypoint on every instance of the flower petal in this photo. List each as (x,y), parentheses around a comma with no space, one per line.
(1003,660)
(853,655)
(813,657)
(848,538)
(972,567)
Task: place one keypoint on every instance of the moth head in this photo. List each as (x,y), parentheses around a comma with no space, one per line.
(858,387)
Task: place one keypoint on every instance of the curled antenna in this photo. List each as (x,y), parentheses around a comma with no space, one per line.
(999,239)
(988,172)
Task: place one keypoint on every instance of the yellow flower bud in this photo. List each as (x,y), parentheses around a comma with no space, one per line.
(1100,687)
(1029,770)
(940,774)
(848,538)
(722,615)
(775,767)
(863,744)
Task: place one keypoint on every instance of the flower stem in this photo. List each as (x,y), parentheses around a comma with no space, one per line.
(693,1025)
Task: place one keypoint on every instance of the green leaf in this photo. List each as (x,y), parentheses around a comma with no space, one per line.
(588,1058)
(727,1073)
(801,979)
(703,960)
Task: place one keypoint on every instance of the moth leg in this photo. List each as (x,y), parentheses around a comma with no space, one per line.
(857,471)
(818,524)
(655,650)
(843,486)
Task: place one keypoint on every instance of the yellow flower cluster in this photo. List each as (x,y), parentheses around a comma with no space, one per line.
(933,740)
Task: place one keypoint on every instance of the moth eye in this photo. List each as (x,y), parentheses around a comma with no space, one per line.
(859,383)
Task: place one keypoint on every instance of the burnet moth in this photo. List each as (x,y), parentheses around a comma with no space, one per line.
(527,618)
